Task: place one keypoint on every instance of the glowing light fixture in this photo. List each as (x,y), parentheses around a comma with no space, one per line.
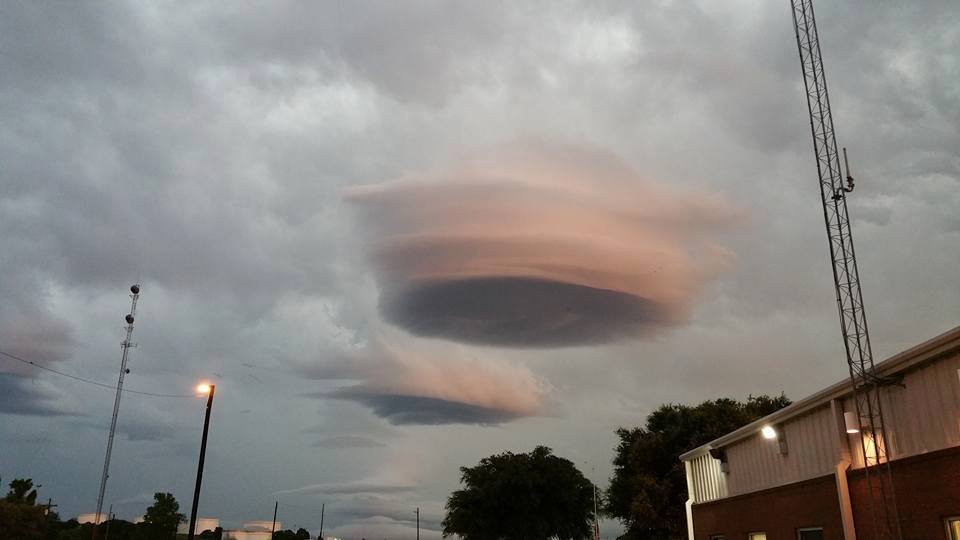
(203,389)
(768,432)
(850,421)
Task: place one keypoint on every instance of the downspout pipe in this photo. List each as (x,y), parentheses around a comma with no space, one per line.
(840,473)
(688,470)
(843,497)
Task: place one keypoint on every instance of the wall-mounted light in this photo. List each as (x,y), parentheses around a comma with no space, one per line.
(851,423)
(768,432)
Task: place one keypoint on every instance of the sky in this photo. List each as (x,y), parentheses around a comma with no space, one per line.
(402,236)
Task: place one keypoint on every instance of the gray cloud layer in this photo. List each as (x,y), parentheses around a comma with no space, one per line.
(204,150)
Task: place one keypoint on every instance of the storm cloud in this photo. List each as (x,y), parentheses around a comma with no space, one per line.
(539,244)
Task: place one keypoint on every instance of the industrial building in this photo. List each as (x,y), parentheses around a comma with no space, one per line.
(799,472)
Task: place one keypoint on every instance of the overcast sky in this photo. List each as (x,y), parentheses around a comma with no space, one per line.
(402,236)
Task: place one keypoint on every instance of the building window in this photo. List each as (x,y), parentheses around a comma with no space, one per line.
(953,527)
(810,533)
(757,536)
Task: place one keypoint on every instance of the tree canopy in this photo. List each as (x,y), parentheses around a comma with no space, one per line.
(163,516)
(648,489)
(530,496)
(20,517)
(301,534)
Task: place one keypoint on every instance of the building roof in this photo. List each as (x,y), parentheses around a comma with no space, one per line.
(946,343)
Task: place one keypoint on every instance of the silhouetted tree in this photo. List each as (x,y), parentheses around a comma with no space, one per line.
(20,517)
(648,489)
(523,496)
(22,492)
(216,534)
(162,517)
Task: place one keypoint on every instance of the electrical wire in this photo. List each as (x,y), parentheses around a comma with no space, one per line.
(88,381)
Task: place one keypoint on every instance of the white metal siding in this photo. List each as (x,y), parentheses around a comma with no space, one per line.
(756,463)
(922,417)
(709,482)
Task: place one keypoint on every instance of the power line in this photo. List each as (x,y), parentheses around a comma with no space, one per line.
(88,381)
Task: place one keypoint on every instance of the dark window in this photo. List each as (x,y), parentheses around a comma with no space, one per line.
(810,533)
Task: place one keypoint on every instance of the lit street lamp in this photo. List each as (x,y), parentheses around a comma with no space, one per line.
(202,389)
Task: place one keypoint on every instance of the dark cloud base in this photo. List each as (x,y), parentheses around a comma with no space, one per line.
(519,312)
(16,397)
(417,410)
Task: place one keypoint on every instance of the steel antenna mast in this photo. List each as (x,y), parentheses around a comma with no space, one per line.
(853,323)
(126,345)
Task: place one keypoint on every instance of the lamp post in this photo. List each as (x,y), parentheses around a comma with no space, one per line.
(209,390)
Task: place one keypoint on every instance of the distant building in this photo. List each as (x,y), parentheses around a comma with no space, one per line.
(808,482)
(91,517)
(203,524)
(252,530)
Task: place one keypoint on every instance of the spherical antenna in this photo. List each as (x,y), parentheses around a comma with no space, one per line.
(129,318)
(135,289)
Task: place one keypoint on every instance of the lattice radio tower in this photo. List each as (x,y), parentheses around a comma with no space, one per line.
(126,345)
(853,322)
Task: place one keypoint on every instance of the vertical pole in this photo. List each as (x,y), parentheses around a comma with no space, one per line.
(418,523)
(106,535)
(203,454)
(596,522)
(274,525)
(322,507)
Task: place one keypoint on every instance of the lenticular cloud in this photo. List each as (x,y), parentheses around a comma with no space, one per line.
(539,245)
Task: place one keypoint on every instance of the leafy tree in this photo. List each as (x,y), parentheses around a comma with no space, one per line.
(521,496)
(648,489)
(22,521)
(162,517)
(20,517)
(301,534)
(22,492)
(216,534)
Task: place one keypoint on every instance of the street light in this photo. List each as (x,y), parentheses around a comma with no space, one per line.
(208,390)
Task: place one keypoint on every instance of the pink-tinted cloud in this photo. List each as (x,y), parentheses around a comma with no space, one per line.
(432,383)
(534,245)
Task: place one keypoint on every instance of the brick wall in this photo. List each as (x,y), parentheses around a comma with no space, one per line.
(779,512)
(927,489)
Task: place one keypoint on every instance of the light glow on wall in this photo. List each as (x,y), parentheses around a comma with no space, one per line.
(768,432)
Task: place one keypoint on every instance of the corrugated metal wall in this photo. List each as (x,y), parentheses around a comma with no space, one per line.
(922,417)
(709,482)
(756,463)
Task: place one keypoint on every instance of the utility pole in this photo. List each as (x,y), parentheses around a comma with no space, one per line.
(322,507)
(274,525)
(418,523)
(126,345)
(596,521)
(106,535)
(50,505)
(210,389)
